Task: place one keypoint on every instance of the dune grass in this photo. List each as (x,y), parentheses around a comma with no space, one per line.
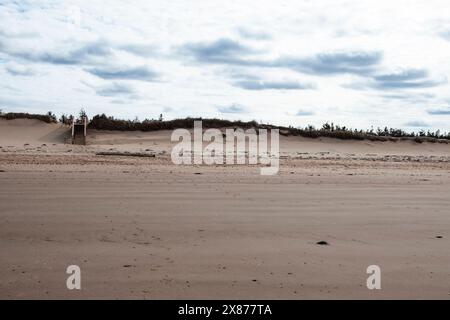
(103,122)
(48,118)
(330,130)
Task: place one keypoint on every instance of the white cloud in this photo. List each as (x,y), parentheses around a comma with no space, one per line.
(225,53)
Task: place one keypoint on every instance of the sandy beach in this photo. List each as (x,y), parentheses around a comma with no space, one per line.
(142,227)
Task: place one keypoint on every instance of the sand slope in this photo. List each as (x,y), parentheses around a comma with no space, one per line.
(19,131)
(16,133)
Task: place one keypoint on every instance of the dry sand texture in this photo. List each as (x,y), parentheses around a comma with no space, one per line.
(145,228)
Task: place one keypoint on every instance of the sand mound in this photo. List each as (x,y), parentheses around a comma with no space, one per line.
(34,132)
(293,145)
(21,131)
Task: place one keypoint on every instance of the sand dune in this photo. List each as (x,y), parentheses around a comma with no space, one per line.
(19,131)
(288,145)
(16,133)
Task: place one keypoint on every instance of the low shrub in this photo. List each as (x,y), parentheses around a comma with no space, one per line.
(48,118)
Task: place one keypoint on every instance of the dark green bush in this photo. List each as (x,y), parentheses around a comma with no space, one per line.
(103,122)
(48,118)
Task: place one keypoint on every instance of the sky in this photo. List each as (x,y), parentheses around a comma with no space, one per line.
(360,64)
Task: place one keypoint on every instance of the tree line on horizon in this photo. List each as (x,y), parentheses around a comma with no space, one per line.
(104,122)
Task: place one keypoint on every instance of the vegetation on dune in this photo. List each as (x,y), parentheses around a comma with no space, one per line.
(104,122)
(50,117)
(386,134)
(65,119)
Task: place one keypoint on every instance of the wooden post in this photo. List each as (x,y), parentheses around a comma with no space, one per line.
(73,130)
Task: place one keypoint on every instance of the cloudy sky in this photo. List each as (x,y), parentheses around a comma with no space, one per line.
(357,63)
